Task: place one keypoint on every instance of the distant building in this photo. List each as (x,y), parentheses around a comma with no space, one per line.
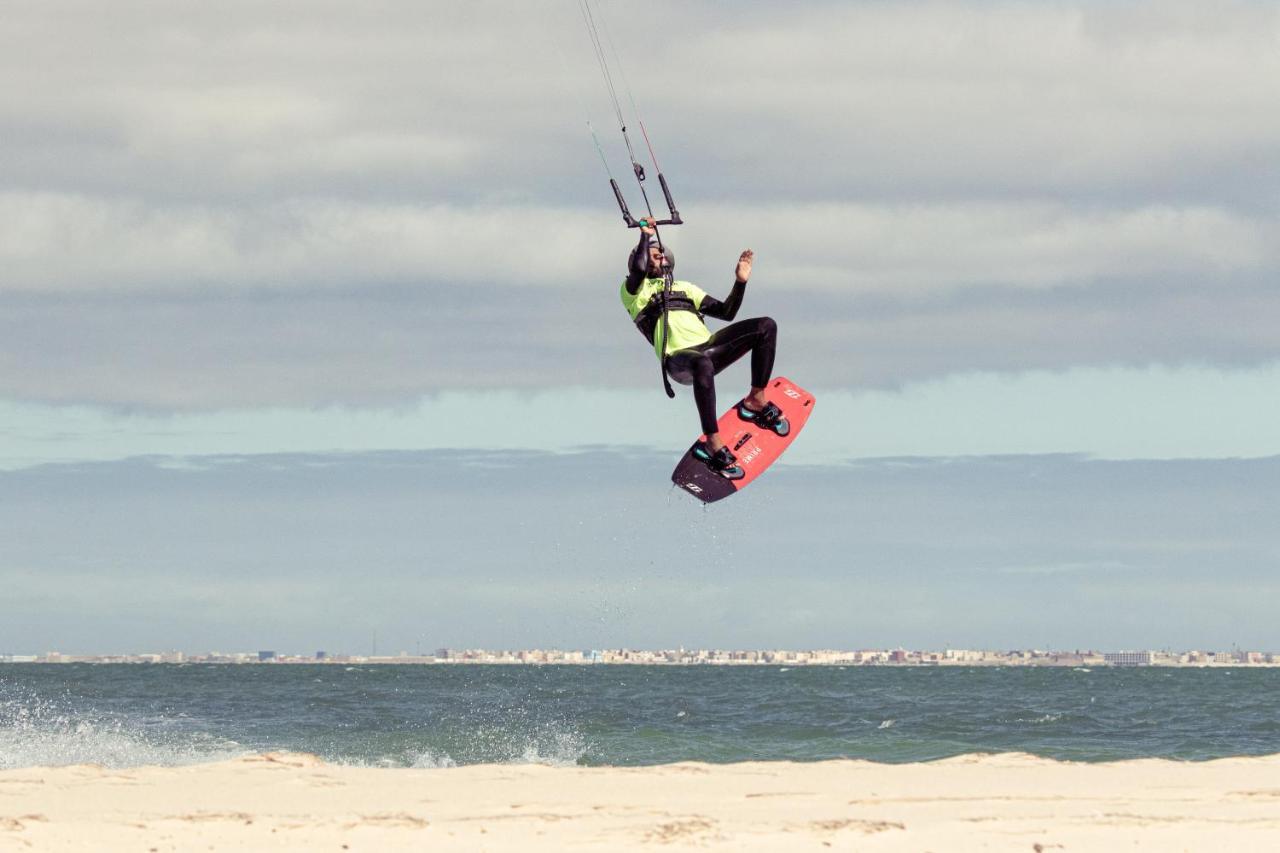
(1129,658)
(263,657)
(322,655)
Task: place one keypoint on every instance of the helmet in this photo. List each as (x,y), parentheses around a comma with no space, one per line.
(668,255)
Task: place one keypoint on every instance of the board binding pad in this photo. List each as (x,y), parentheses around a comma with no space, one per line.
(755,448)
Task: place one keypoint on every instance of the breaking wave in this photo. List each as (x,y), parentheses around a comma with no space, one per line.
(37,732)
(40,731)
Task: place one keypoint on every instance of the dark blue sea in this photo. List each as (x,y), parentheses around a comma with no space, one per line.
(446,715)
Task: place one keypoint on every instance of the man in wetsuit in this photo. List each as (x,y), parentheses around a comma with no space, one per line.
(693,355)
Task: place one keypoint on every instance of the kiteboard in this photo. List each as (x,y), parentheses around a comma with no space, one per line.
(756,448)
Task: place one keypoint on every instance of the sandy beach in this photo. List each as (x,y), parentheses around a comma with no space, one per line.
(282,801)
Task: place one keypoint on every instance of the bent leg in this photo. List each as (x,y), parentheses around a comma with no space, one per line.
(759,336)
(698,366)
(692,367)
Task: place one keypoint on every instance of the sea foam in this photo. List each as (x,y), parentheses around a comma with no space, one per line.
(37,732)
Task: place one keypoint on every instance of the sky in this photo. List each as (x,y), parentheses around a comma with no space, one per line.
(378,240)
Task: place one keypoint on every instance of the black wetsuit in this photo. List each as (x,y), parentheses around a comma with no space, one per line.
(698,365)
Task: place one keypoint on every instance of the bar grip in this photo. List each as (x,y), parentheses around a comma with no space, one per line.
(658,222)
(671,205)
(622,205)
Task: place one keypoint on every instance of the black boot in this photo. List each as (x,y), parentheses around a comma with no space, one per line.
(721,461)
(770,417)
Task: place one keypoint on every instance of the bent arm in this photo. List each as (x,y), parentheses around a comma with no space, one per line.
(727,309)
(638,265)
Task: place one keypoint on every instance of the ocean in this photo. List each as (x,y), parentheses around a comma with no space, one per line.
(450,715)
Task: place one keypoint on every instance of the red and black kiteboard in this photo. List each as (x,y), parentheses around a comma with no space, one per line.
(755,448)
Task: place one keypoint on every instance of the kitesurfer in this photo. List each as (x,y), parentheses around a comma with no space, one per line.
(693,355)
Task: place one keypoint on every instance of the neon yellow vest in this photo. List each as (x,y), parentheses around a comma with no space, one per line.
(687,328)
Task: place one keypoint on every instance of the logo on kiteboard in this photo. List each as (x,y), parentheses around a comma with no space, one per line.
(745,438)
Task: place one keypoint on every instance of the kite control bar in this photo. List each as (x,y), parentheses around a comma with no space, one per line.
(631,221)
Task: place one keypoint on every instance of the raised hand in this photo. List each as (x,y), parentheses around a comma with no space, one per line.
(744,265)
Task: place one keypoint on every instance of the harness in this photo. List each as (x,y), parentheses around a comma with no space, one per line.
(653,312)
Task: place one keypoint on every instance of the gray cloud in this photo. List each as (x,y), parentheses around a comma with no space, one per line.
(931,188)
(71,243)
(383,345)
(922,100)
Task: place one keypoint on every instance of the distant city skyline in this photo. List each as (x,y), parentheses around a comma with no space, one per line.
(696,657)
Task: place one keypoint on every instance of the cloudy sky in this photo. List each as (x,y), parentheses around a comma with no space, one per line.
(284,233)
